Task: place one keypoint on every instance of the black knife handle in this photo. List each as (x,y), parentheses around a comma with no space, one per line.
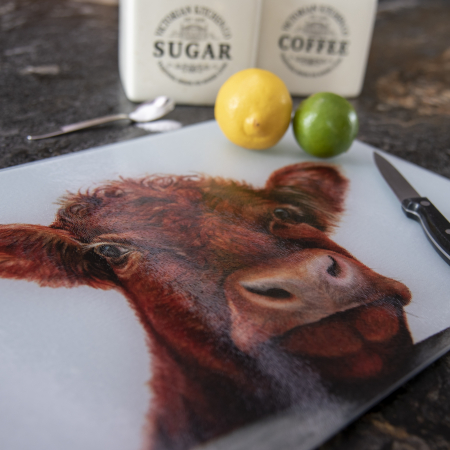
(435,225)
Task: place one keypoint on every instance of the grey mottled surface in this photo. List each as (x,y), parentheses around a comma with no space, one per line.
(58,64)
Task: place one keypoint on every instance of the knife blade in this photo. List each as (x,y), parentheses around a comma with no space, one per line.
(434,224)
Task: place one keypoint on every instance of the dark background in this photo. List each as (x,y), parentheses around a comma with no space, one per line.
(58,65)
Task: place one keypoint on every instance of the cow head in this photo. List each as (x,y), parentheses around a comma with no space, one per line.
(208,263)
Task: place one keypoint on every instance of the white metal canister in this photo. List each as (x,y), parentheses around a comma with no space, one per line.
(185,49)
(317,46)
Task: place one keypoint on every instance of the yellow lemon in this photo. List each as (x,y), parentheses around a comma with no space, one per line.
(253,108)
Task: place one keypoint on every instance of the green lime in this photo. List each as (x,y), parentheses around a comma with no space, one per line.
(325,125)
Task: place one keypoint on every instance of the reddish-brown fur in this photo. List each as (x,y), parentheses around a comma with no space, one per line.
(249,307)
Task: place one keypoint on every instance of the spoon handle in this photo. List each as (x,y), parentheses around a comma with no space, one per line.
(80,126)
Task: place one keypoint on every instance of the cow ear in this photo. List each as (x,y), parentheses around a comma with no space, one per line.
(48,256)
(320,180)
(321,186)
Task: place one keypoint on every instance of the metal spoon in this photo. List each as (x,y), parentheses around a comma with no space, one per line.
(145,112)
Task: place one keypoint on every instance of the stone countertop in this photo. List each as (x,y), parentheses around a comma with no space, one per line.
(58,65)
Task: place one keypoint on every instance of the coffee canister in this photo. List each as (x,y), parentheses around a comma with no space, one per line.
(317,46)
(185,49)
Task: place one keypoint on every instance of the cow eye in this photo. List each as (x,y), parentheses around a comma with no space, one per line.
(286,214)
(111,251)
(281,213)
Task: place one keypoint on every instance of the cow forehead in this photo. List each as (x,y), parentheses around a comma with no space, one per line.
(138,199)
(164,204)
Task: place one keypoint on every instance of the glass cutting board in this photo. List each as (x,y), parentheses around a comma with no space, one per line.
(260,314)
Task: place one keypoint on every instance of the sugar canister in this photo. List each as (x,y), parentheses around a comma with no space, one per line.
(185,49)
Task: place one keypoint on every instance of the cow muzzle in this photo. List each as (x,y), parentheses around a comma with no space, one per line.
(272,298)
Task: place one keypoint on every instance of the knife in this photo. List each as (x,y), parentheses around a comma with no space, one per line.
(435,225)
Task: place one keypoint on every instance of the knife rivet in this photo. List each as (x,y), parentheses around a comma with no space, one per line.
(425,203)
(447,230)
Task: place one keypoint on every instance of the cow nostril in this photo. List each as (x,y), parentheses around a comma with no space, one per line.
(333,269)
(275,293)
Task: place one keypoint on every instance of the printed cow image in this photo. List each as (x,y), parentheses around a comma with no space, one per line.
(249,307)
